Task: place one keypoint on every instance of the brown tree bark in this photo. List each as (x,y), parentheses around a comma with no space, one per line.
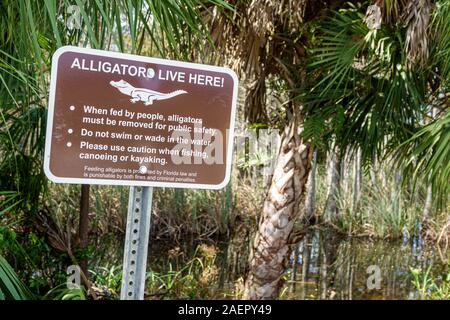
(271,246)
(83,228)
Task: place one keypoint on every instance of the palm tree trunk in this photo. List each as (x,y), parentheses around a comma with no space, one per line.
(428,203)
(373,171)
(357,178)
(310,203)
(333,180)
(271,245)
(396,192)
(428,207)
(345,173)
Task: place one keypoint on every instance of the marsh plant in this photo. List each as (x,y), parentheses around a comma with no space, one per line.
(195,278)
(430,286)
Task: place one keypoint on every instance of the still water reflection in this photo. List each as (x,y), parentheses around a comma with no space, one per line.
(325,266)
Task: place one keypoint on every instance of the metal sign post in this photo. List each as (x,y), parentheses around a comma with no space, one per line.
(136,243)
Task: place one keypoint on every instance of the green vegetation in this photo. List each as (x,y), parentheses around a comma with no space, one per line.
(368,95)
(11,287)
(430,287)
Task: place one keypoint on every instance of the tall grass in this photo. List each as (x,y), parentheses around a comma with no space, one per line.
(195,278)
(382,213)
(384,210)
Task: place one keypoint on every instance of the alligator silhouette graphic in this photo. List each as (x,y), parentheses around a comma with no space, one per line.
(141,94)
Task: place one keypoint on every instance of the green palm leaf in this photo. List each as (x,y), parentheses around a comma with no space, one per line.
(11,287)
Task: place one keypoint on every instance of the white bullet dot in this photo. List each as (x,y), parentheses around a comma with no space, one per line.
(69,144)
(150,73)
(72,108)
(70,131)
(142,169)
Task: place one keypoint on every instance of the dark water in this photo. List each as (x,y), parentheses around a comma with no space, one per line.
(327,266)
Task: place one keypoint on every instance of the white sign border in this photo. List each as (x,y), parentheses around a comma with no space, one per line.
(51,107)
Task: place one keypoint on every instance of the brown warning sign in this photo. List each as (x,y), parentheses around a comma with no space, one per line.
(121,119)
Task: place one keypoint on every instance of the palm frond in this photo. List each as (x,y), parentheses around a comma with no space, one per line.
(11,287)
(426,155)
(363,72)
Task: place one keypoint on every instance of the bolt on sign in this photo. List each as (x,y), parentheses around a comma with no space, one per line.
(123,119)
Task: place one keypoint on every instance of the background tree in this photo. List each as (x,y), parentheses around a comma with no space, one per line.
(371,85)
